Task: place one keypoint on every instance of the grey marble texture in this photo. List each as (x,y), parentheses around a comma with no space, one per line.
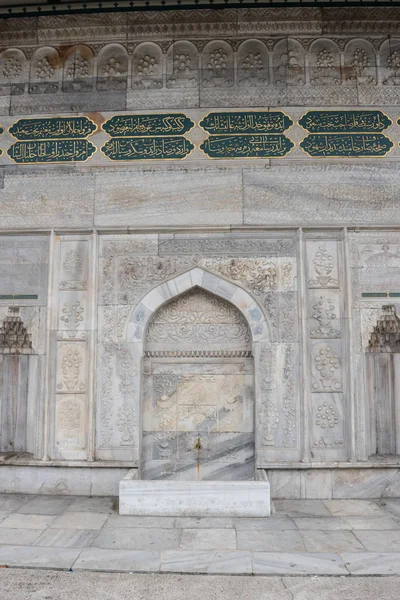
(366,543)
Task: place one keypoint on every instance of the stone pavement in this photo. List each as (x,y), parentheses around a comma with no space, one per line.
(302,537)
(27,584)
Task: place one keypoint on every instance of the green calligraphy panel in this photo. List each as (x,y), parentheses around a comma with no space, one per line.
(346,121)
(51,151)
(52,128)
(147,148)
(246,122)
(246,146)
(346,145)
(148,125)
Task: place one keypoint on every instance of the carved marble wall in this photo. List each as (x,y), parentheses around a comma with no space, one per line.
(70,397)
(263,266)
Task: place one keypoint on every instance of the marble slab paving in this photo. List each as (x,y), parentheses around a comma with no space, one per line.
(116,521)
(268,541)
(302,508)
(95,504)
(43,558)
(208,539)
(11,502)
(321,523)
(331,541)
(19,537)
(66,538)
(49,505)
(215,563)
(271,563)
(377,541)
(372,563)
(80,520)
(354,508)
(17,521)
(374,523)
(273,523)
(138,539)
(97,559)
(391,506)
(206,522)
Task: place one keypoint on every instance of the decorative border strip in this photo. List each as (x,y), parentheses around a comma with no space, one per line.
(114,6)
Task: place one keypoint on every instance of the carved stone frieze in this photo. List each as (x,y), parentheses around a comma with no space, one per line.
(259,275)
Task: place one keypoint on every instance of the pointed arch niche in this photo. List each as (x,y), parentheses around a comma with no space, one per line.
(197,342)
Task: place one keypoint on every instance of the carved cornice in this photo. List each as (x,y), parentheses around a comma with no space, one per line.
(201,22)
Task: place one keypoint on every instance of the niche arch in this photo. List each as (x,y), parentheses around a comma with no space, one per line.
(135,339)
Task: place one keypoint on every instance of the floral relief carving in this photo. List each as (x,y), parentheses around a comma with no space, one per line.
(71,362)
(327,416)
(324,265)
(12,68)
(393,66)
(69,418)
(198,320)
(73,264)
(324,313)
(270,415)
(327,363)
(44,69)
(106,396)
(289,429)
(72,314)
(257,274)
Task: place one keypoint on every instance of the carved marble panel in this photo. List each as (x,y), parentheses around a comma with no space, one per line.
(324,63)
(112,68)
(328,434)
(71,367)
(14,69)
(217,66)
(78,69)
(326,366)
(147,67)
(253,64)
(324,314)
(70,426)
(45,71)
(322,264)
(23,268)
(182,67)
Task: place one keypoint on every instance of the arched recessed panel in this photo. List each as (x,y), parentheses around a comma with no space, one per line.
(390,62)
(360,62)
(217,65)
(45,71)
(182,65)
(112,68)
(324,60)
(147,67)
(288,63)
(13,71)
(78,69)
(198,391)
(253,68)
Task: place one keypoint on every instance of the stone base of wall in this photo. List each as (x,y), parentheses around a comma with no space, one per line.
(352,482)
(317,483)
(68,481)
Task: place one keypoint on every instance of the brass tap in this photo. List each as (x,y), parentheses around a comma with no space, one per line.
(198,444)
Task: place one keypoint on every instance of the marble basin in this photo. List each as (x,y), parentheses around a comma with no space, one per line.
(194,498)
